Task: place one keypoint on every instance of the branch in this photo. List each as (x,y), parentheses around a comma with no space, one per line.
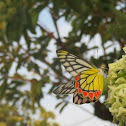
(49,33)
(59,42)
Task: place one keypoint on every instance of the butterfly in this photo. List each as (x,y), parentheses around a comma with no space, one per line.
(87,85)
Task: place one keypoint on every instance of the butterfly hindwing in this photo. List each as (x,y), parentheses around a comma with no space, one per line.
(89,86)
(65,88)
(72,63)
(77,99)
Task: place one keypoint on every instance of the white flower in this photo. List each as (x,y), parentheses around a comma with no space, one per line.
(117,89)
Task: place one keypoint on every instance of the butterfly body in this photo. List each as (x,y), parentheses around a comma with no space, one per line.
(88,83)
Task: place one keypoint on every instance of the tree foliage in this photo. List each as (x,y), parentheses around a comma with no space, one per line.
(18,19)
(11,116)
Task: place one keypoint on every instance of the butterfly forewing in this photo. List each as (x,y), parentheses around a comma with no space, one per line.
(72,63)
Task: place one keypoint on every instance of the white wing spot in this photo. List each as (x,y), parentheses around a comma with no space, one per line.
(77,66)
(68,90)
(66,64)
(73,73)
(70,59)
(69,68)
(82,69)
(83,63)
(72,91)
(72,63)
(62,60)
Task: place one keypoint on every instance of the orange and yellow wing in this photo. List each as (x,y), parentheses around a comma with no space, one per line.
(88,84)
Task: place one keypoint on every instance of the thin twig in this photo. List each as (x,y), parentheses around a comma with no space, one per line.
(49,33)
(59,42)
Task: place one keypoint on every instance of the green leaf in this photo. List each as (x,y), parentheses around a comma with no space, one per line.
(58,104)
(63,107)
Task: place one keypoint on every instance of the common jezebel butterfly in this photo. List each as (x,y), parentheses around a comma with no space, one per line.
(88,83)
